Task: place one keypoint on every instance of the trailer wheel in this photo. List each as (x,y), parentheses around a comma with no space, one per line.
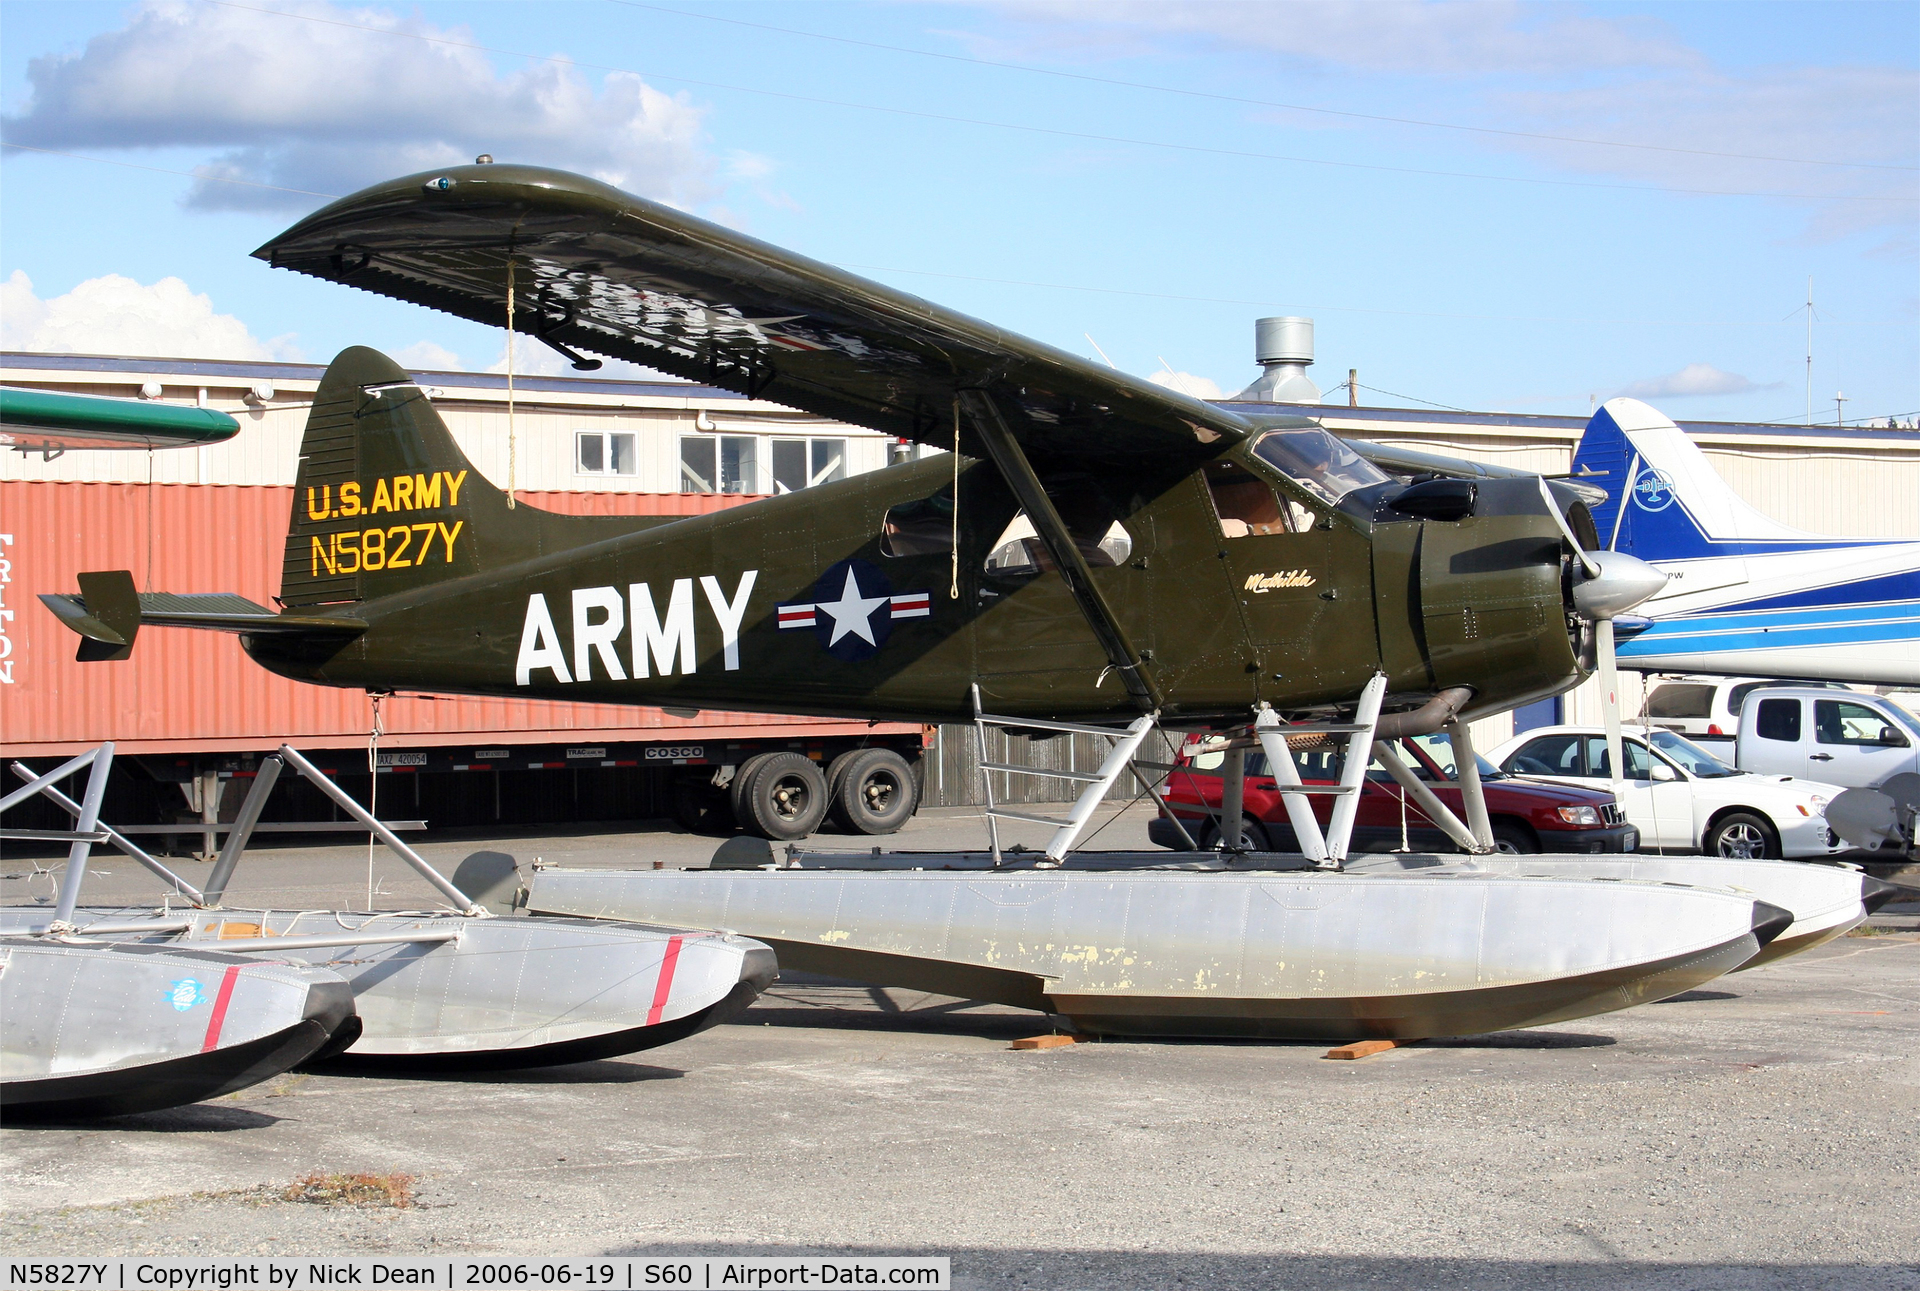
(742,779)
(874,791)
(836,772)
(784,798)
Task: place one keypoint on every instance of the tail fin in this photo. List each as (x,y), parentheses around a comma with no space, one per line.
(385,501)
(1665,501)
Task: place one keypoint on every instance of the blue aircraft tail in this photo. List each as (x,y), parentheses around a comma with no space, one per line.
(1644,514)
(1665,501)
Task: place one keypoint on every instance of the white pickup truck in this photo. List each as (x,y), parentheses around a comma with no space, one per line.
(1856,740)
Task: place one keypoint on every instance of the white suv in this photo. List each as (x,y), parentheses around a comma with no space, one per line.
(1681,797)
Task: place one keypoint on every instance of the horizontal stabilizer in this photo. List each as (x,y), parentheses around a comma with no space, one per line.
(109,613)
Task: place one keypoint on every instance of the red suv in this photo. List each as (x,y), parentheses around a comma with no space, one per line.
(1527,815)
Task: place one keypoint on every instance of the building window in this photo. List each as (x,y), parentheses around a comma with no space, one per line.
(802,463)
(829,461)
(719,464)
(600,452)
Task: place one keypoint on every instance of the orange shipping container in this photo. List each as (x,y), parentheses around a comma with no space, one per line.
(197,692)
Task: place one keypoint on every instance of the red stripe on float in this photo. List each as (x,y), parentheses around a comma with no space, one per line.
(219,1018)
(665,985)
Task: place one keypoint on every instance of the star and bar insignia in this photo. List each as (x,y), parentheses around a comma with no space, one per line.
(853,610)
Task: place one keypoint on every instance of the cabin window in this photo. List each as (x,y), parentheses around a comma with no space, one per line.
(1249,506)
(1019,552)
(921,528)
(1438,749)
(719,464)
(1838,723)
(802,463)
(1680,700)
(1312,457)
(1548,755)
(1778,719)
(1639,766)
(601,452)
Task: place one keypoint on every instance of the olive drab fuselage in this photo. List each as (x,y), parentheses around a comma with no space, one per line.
(751,609)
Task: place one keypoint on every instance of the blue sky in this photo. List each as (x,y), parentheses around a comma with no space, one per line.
(1159,217)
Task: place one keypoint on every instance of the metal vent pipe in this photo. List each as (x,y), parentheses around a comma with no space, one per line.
(1283,340)
(1283,347)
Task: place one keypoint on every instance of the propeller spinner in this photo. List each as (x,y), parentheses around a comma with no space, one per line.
(1614,583)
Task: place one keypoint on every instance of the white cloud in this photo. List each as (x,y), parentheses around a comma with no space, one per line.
(116,315)
(742,164)
(330,108)
(1694,379)
(1188,384)
(425,356)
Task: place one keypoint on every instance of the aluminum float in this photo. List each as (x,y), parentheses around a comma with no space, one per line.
(105,1030)
(458,988)
(1210,948)
(1827,901)
(443,990)
(1215,944)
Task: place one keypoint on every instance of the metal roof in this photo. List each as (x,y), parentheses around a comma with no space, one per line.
(244,372)
(669,387)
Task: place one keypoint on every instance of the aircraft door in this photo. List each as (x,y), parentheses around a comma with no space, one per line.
(1856,744)
(1672,805)
(1287,567)
(1029,632)
(1661,809)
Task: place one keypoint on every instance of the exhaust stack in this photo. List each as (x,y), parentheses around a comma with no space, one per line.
(1283,347)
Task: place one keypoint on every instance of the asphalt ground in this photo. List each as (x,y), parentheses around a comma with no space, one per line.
(1756,1134)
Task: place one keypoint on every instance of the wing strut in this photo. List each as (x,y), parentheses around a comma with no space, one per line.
(1052,530)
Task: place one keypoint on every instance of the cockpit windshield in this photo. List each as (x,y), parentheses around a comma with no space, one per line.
(1319,461)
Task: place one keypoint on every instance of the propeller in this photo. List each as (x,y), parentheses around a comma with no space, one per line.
(1613,583)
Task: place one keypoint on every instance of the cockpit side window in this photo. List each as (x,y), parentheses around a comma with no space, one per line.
(920,528)
(1249,506)
(1328,466)
(1019,551)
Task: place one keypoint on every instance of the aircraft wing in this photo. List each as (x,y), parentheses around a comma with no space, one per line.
(43,421)
(600,270)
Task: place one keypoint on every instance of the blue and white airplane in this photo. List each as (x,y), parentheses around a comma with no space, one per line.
(1748,595)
